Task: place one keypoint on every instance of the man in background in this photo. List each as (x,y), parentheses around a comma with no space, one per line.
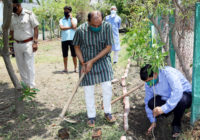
(68,25)
(115,21)
(24,32)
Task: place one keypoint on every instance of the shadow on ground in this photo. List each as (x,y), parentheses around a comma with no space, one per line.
(63,72)
(78,129)
(31,123)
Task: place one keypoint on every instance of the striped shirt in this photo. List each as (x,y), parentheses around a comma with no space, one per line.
(91,44)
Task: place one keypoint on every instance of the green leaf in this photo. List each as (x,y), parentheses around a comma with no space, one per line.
(34,89)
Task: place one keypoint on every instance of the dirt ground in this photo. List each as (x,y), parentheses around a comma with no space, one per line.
(40,120)
(139,123)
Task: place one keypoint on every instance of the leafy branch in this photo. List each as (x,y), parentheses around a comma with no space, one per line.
(138,40)
(27,92)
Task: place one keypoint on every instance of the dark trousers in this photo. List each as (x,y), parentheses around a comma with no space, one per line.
(65,48)
(178,111)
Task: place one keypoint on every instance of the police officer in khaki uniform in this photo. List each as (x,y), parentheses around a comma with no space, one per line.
(24,32)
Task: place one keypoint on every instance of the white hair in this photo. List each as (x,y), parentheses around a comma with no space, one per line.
(113,7)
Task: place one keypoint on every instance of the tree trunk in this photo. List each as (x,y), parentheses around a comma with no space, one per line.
(176,45)
(180,57)
(7,14)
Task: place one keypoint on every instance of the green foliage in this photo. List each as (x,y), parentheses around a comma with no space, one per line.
(139,40)
(49,10)
(1,42)
(81,8)
(22,117)
(122,8)
(28,93)
(139,36)
(52,10)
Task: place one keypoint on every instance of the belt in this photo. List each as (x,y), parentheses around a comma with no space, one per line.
(24,41)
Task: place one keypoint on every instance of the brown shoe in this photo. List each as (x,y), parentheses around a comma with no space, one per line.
(91,122)
(110,118)
(96,135)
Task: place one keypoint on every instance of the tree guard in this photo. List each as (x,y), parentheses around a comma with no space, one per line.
(195,112)
(151,35)
(171,47)
(43,29)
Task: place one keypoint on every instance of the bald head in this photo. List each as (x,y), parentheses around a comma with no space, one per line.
(95,15)
(95,18)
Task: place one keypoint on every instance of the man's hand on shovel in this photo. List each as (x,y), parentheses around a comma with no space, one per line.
(83,68)
(89,65)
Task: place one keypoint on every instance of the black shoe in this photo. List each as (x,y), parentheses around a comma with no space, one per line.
(13,55)
(176,131)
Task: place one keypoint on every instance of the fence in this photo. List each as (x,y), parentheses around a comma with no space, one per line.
(191,58)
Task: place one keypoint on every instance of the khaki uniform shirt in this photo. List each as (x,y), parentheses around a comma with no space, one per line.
(23,25)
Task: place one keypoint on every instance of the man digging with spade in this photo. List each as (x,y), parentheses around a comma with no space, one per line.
(93,41)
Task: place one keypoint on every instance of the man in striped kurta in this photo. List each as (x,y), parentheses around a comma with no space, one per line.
(93,42)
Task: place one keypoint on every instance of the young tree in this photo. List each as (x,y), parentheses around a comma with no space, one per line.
(144,12)
(7,14)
